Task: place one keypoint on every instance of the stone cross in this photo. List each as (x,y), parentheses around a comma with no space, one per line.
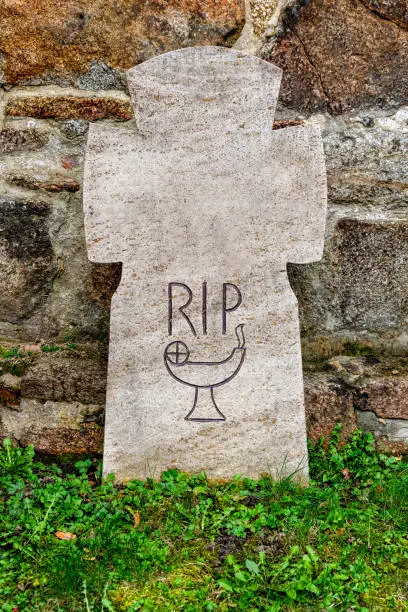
(204,205)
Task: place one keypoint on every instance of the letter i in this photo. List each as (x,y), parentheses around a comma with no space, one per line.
(204,307)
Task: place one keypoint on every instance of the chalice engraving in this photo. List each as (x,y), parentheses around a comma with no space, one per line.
(204,376)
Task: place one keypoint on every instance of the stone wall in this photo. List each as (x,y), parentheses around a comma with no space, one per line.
(62,66)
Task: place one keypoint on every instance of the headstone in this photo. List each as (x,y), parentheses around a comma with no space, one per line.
(204,205)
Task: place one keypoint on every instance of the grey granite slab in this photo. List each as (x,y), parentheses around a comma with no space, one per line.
(204,205)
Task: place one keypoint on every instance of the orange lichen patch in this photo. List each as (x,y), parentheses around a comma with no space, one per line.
(69,107)
(66,184)
(284,123)
(105,281)
(40,37)
(9,397)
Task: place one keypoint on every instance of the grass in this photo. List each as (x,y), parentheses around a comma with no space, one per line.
(15,351)
(72,542)
(10,353)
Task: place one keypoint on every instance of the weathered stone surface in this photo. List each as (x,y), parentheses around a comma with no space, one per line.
(10,387)
(392,10)
(284,123)
(366,158)
(72,128)
(337,54)
(52,176)
(262,12)
(328,401)
(170,200)
(358,293)
(54,427)
(392,430)
(105,281)
(367,256)
(386,397)
(28,182)
(85,40)
(26,254)
(88,439)
(384,445)
(11,382)
(65,389)
(375,385)
(54,400)
(21,140)
(67,378)
(69,107)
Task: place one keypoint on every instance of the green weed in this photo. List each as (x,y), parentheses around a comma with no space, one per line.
(53,348)
(50,348)
(15,461)
(10,353)
(73,541)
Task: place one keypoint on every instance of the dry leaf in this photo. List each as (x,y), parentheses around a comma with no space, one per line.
(65,535)
(67,163)
(346,473)
(136,516)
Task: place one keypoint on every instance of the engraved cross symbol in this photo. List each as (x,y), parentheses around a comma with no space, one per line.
(177,352)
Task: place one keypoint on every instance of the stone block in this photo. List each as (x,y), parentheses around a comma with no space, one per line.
(65,106)
(328,401)
(367,157)
(54,427)
(10,390)
(52,186)
(369,274)
(392,430)
(105,281)
(85,42)
(59,377)
(338,54)
(27,258)
(54,400)
(73,304)
(12,140)
(387,397)
(357,294)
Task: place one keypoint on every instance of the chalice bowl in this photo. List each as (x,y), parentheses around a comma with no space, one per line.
(204,376)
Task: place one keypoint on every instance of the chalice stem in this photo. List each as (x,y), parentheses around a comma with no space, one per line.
(204,408)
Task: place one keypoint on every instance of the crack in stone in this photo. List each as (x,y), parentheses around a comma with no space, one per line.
(315,70)
(399,24)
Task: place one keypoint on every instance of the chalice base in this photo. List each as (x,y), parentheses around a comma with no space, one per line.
(204,408)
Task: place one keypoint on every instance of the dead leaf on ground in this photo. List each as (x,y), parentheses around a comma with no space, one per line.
(136,516)
(65,535)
